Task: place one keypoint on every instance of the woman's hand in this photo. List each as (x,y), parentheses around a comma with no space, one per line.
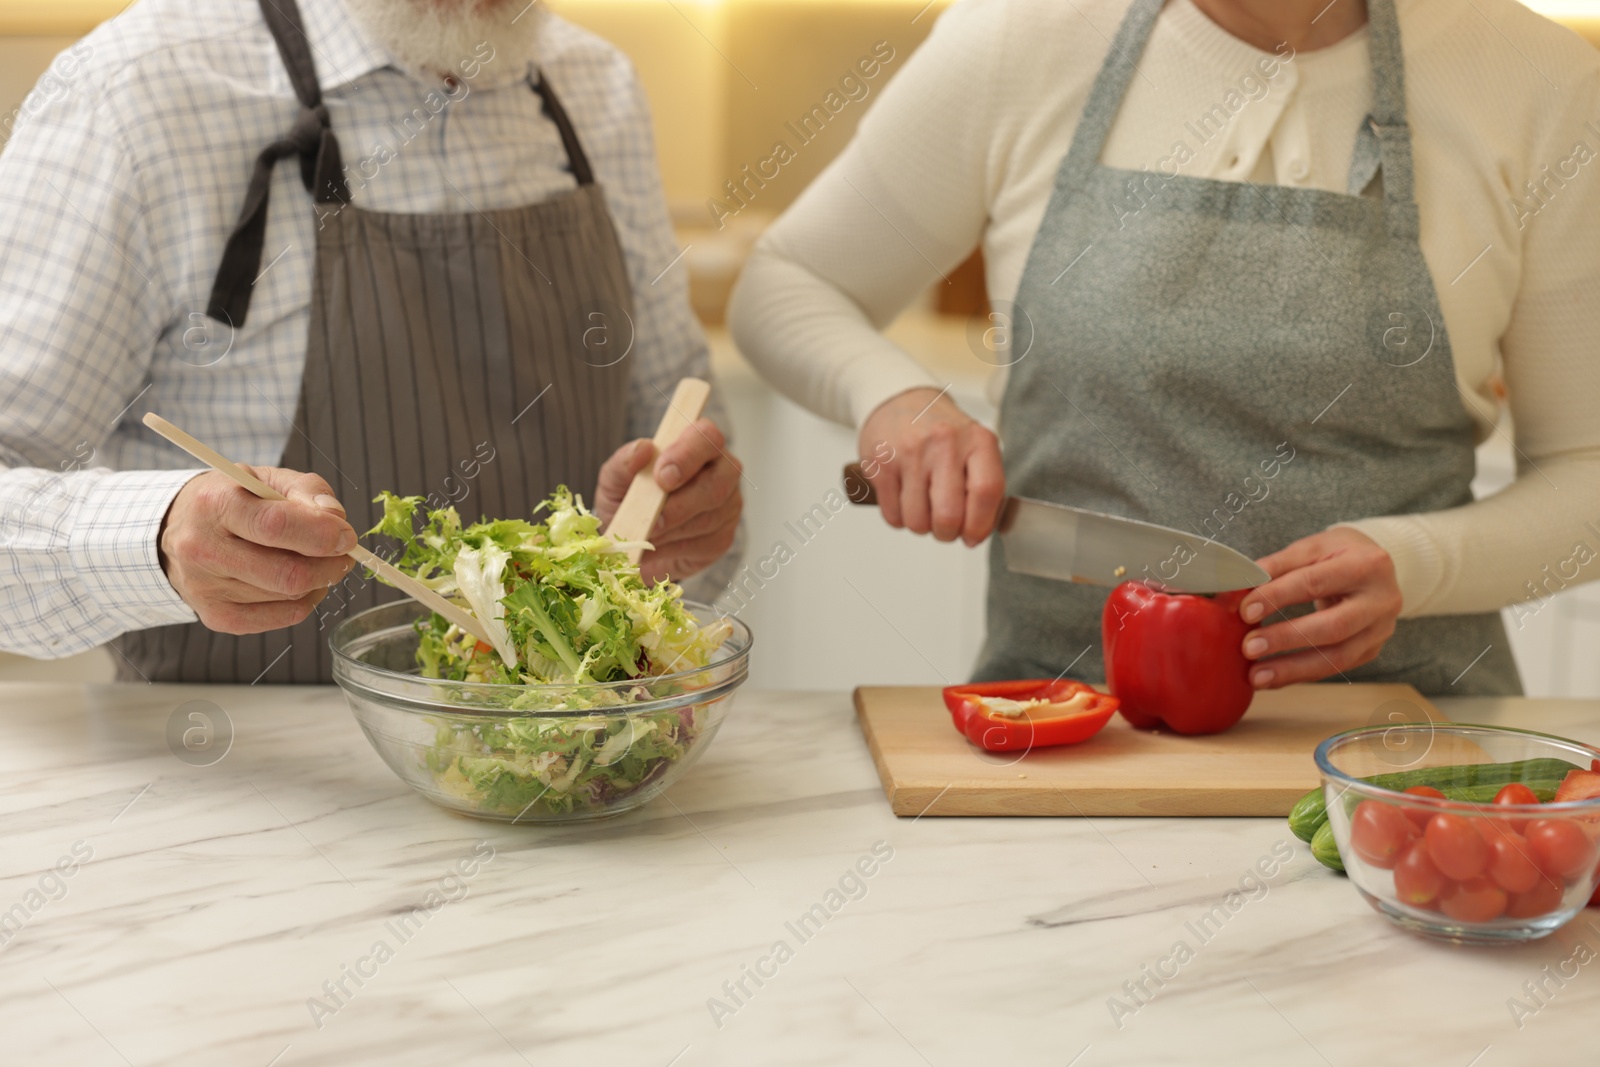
(701,515)
(1351,582)
(942,474)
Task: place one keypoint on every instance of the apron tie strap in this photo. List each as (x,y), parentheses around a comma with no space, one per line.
(321,169)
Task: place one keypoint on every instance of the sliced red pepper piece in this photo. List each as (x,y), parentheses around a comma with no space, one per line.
(1578,785)
(1033,713)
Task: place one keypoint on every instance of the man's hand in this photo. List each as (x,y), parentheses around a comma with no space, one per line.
(247,565)
(944,473)
(701,515)
(1351,582)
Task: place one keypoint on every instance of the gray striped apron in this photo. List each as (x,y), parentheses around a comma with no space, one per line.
(459,357)
(1250,363)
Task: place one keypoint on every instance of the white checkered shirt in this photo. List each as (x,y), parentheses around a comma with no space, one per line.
(124,175)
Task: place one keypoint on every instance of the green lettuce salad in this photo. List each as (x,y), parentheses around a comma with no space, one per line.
(564,607)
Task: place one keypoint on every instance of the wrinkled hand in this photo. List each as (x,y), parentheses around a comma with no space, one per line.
(1351,582)
(935,468)
(247,565)
(701,515)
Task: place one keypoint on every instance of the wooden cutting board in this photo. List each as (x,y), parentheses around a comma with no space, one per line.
(1260,767)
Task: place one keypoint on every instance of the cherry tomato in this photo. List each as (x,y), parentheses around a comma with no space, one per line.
(1378,832)
(1456,846)
(1515,793)
(1419,816)
(1560,848)
(1542,899)
(1476,900)
(1510,864)
(1416,880)
(1492,827)
(1495,830)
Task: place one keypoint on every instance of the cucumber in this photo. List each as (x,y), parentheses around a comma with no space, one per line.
(1472,783)
(1325,849)
(1536,774)
(1309,813)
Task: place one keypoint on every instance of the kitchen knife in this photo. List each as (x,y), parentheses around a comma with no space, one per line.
(1074,545)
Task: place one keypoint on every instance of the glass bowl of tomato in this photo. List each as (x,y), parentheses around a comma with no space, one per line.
(1469,834)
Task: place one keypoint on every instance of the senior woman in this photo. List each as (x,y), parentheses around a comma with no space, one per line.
(1262,264)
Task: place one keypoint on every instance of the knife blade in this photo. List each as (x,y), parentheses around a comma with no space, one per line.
(1071,544)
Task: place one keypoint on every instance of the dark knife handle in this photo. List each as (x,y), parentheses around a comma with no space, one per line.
(857,488)
(860,491)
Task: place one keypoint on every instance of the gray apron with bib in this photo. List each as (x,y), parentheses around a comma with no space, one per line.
(1249,363)
(431,338)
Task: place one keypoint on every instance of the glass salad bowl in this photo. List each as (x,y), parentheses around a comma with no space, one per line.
(530,753)
(1458,833)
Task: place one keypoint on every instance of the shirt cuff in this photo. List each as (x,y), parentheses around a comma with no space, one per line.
(1419,565)
(114,551)
(871,380)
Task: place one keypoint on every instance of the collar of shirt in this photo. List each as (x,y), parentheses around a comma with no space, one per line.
(345,53)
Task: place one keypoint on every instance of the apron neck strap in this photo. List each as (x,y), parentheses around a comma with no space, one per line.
(577,159)
(1387,123)
(1110,86)
(288,30)
(321,168)
(1388,64)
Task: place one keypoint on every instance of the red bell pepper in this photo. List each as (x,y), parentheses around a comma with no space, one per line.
(1176,659)
(1006,716)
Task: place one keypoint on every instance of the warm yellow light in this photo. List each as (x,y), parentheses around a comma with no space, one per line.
(1557,9)
(72,17)
(55,17)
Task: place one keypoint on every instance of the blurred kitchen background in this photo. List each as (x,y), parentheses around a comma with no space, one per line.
(857,602)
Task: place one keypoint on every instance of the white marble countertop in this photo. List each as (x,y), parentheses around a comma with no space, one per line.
(207,906)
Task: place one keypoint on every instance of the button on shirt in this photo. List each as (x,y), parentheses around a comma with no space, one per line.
(117,192)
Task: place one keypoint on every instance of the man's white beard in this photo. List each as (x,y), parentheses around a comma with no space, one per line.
(439,35)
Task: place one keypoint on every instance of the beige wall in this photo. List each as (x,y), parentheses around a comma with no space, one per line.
(681,73)
(724,76)
(70,17)
(765,39)
(22,60)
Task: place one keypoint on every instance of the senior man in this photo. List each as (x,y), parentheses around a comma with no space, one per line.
(458,285)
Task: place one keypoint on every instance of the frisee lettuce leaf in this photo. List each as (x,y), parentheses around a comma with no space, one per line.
(561,600)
